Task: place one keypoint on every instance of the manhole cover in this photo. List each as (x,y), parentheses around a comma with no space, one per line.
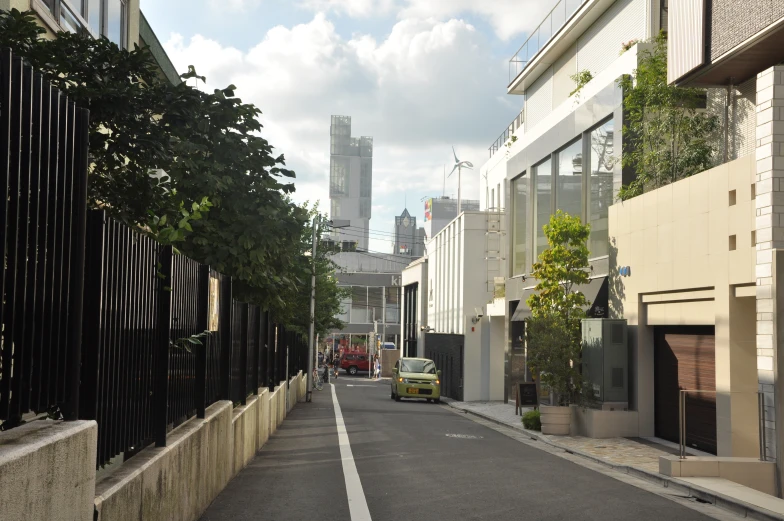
(464,436)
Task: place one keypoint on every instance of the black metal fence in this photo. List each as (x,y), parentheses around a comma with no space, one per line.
(98,320)
(43,178)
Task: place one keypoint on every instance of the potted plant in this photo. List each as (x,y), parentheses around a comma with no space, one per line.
(553,329)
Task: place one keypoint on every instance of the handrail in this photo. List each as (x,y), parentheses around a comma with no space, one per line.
(516,123)
(553,22)
(682,419)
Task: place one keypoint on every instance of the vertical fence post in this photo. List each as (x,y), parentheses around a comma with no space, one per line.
(200,351)
(91,316)
(163,327)
(244,353)
(268,380)
(257,348)
(226,305)
(78,237)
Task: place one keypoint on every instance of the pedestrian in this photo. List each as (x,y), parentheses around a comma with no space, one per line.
(336,365)
(377,366)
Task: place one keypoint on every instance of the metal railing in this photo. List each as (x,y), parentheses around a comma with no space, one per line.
(539,37)
(682,405)
(98,321)
(516,123)
(43,193)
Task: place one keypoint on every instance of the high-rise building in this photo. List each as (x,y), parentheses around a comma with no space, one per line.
(440,211)
(350,181)
(409,240)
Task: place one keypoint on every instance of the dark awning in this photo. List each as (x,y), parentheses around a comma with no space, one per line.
(595,292)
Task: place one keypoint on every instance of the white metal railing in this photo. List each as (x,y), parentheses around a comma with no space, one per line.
(539,37)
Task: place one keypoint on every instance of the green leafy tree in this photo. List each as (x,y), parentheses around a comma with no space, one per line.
(553,330)
(188,167)
(667,137)
(329,295)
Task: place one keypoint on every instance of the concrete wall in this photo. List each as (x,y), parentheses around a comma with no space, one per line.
(690,249)
(47,471)
(594,423)
(179,481)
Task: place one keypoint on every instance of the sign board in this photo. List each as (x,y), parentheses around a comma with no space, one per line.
(526,396)
(214,304)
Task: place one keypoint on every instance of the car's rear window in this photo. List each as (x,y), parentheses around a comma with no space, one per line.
(417,366)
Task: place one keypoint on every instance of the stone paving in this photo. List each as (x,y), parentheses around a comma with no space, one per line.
(617,451)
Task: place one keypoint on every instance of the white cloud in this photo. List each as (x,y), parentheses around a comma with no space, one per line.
(427,86)
(509,18)
(352,8)
(233,6)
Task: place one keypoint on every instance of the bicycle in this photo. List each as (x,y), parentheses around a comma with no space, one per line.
(318,384)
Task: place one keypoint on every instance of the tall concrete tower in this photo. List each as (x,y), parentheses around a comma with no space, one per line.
(350,181)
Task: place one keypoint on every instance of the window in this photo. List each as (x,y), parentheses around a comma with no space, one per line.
(600,188)
(107,18)
(364,208)
(519,222)
(365,178)
(543,177)
(569,177)
(335,208)
(338,176)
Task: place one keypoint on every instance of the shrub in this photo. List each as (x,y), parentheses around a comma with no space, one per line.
(532,421)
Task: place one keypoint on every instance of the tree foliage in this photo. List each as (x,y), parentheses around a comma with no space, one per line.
(553,330)
(329,295)
(667,137)
(188,167)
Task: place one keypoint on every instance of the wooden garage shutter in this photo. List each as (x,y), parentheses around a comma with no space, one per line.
(685,359)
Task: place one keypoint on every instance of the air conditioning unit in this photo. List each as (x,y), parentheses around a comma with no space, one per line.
(605,360)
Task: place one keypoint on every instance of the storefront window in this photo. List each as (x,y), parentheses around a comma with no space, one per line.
(569,184)
(544,189)
(519,223)
(600,191)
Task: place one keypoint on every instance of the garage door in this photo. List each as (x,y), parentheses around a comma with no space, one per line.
(684,358)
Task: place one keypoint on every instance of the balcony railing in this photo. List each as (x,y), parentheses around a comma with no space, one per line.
(507,133)
(552,23)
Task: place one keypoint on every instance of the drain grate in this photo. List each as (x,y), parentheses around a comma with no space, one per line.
(464,436)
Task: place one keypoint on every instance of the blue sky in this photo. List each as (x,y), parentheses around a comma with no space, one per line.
(418,75)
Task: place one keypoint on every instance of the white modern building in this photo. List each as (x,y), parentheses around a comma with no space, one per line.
(447,300)
(560,152)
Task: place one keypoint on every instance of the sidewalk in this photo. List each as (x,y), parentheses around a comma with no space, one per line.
(638,452)
(638,457)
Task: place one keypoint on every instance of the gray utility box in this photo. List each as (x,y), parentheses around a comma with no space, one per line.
(606,359)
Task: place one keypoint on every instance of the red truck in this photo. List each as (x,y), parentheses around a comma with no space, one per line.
(354,361)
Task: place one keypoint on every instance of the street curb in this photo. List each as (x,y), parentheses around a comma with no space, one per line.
(730,504)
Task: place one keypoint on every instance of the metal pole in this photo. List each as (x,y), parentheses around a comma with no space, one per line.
(459,184)
(761,425)
(682,424)
(312,326)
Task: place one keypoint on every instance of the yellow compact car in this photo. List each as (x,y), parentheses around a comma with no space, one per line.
(416,378)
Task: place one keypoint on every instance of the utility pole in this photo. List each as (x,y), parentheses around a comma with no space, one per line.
(311,347)
(312,328)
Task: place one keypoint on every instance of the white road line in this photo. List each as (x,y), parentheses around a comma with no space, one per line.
(357,503)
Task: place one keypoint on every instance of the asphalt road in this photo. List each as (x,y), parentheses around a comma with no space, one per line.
(417,460)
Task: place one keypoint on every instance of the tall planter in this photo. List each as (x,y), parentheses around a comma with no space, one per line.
(556,419)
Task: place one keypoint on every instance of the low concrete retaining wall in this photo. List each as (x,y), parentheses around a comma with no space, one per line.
(750,472)
(47,468)
(47,471)
(178,482)
(595,423)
